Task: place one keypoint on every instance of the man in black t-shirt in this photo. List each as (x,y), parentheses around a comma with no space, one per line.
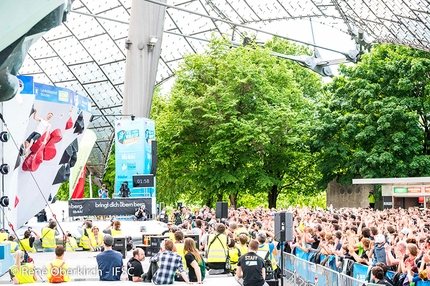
(250,268)
(134,266)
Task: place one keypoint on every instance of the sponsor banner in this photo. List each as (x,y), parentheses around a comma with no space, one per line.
(90,207)
(133,154)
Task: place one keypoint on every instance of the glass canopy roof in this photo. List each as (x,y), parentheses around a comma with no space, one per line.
(87,52)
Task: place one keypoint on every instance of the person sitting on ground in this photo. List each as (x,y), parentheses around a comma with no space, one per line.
(13,244)
(179,245)
(134,266)
(250,268)
(22,272)
(70,241)
(48,236)
(4,235)
(27,243)
(96,239)
(59,264)
(195,263)
(168,263)
(217,249)
(85,230)
(114,228)
(109,261)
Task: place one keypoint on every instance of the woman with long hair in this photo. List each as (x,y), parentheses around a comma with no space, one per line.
(22,272)
(195,263)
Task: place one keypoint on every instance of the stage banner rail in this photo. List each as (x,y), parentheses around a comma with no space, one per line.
(119,206)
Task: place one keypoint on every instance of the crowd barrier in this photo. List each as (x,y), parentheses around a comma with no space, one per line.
(299,271)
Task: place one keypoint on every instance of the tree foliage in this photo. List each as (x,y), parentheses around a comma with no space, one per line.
(236,122)
(375,121)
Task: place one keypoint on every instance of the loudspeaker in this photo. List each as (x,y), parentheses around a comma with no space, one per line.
(154,157)
(221,210)
(284,226)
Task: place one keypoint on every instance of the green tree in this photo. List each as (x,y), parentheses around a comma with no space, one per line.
(236,122)
(375,121)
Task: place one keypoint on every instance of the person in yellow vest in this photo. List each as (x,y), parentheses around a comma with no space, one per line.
(27,243)
(13,245)
(243,243)
(96,239)
(85,230)
(58,264)
(70,242)
(371,198)
(21,272)
(267,246)
(114,228)
(179,246)
(234,254)
(48,237)
(3,235)
(217,248)
(241,230)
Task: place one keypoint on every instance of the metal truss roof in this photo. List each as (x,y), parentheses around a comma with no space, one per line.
(87,53)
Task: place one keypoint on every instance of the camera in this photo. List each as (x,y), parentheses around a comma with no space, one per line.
(253,233)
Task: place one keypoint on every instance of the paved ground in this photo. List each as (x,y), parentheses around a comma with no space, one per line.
(84,270)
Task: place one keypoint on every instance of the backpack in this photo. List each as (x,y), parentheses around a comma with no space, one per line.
(57,274)
(398,279)
(129,240)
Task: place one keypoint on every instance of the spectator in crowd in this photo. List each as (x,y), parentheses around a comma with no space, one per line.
(22,272)
(134,266)
(195,263)
(58,263)
(250,268)
(168,263)
(371,198)
(378,276)
(109,261)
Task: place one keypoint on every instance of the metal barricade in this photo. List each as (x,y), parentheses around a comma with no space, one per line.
(300,272)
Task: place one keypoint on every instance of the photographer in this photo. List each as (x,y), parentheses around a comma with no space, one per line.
(27,243)
(124,191)
(140,214)
(103,192)
(114,228)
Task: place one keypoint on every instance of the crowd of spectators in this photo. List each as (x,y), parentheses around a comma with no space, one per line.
(397,240)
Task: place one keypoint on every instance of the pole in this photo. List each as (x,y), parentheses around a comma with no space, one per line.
(91,187)
(282,262)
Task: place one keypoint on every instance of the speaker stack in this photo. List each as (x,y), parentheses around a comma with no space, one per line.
(221,210)
(284,226)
